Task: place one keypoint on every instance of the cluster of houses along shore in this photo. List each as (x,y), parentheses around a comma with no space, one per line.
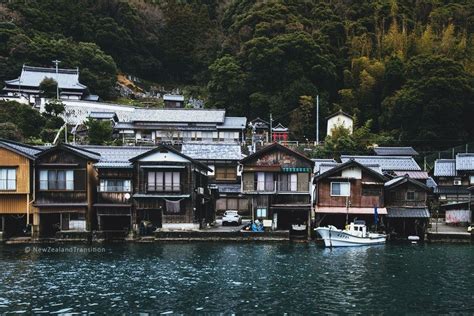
(66,191)
(179,168)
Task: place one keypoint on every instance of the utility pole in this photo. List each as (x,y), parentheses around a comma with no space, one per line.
(56,62)
(271,128)
(317,119)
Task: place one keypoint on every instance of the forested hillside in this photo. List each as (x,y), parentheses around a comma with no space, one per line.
(403,68)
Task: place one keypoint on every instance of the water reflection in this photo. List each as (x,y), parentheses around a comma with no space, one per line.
(229,278)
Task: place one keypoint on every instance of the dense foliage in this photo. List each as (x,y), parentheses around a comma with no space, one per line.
(406,66)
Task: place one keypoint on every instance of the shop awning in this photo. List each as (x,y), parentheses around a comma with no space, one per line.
(351,210)
(404,212)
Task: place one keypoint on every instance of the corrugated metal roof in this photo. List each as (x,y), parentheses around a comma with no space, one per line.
(173,97)
(465,161)
(403,212)
(395,151)
(422,175)
(33,76)
(386,163)
(215,151)
(445,168)
(393,181)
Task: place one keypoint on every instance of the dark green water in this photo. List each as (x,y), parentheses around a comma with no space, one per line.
(240,278)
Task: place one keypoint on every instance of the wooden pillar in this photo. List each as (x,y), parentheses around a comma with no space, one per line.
(99,222)
(36,225)
(3,223)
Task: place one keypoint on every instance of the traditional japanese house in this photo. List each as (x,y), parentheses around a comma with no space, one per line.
(114,203)
(390,165)
(277,181)
(454,177)
(349,191)
(65,187)
(223,160)
(406,200)
(16,188)
(29,81)
(171,190)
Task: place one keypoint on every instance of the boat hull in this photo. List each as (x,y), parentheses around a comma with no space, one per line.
(339,238)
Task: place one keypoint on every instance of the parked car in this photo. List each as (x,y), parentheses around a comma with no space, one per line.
(231,217)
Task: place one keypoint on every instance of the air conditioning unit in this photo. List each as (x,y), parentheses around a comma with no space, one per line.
(200,190)
(457,182)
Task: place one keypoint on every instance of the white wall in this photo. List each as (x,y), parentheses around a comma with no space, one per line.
(339,120)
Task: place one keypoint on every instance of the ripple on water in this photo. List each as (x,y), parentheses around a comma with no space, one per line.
(240,278)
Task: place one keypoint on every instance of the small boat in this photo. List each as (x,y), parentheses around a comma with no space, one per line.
(355,234)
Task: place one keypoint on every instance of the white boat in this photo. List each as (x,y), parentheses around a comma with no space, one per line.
(355,234)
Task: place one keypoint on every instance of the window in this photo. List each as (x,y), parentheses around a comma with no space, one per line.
(173,207)
(264,181)
(288,182)
(261,212)
(410,196)
(457,181)
(340,189)
(226,172)
(471,179)
(109,185)
(7,179)
(57,180)
(163,181)
(371,191)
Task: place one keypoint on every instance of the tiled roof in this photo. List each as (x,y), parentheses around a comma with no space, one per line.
(318,162)
(395,151)
(21,148)
(215,151)
(430,183)
(84,152)
(116,156)
(33,76)
(465,161)
(445,168)
(229,188)
(451,190)
(386,163)
(173,97)
(178,115)
(393,181)
(326,166)
(102,115)
(233,122)
(405,212)
(421,175)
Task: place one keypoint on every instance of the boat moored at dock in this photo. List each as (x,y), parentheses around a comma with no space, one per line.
(355,234)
